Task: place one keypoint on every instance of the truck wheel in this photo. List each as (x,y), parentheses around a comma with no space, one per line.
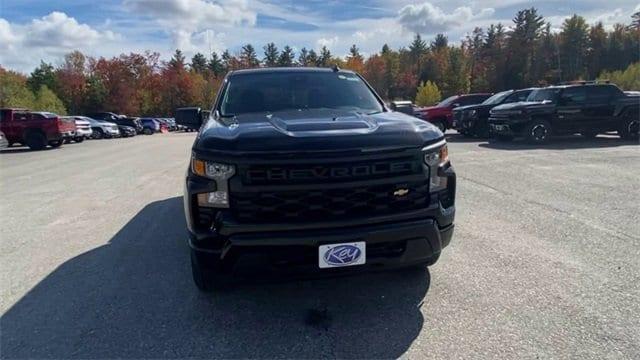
(56,143)
(630,129)
(206,277)
(36,141)
(98,134)
(538,132)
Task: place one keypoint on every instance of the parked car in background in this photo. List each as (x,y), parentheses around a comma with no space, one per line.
(83,128)
(164,125)
(103,116)
(130,122)
(3,141)
(102,129)
(35,129)
(405,107)
(473,120)
(441,114)
(587,108)
(127,131)
(149,126)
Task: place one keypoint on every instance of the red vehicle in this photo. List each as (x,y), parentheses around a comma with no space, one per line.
(35,129)
(441,115)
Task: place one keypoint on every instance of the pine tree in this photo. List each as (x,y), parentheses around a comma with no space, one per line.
(325,57)
(42,75)
(303,58)
(597,50)
(215,65)
(177,61)
(248,57)
(526,31)
(312,58)
(287,56)
(270,55)
(417,48)
(440,42)
(199,63)
(574,42)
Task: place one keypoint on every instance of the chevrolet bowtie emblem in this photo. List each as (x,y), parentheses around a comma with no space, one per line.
(401,192)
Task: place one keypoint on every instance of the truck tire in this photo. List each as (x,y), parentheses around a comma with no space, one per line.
(538,131)
(56,143)
(206,276)
(79,139)
(630,129)
(147,131)
(36,140)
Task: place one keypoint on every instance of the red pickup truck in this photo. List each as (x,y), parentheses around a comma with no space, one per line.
(35,129)
(441,114)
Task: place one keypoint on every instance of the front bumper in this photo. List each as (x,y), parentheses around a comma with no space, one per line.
(392,241)
(84,132)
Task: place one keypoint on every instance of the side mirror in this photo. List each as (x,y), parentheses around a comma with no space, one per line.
(189,117)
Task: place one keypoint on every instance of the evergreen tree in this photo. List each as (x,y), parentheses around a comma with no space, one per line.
(287,56)
(325,57)
(248,57)
(596,51)
(574,42)
(440,42)
(312,58)
(270,55)
(42,75)
(527,28)
(215,65)
(417,48)
(177,61)
(303,58)
(199,63)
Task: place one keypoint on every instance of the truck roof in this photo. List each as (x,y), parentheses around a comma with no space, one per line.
(285,70)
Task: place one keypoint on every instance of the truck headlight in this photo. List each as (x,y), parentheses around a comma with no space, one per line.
(219,172)
(435,156)
(212,170)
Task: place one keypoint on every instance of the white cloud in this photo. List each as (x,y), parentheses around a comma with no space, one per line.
(49,37)
(428,18)
(328,42)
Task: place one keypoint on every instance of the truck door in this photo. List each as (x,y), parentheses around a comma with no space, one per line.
(15,125)
(570,115)
(600,108)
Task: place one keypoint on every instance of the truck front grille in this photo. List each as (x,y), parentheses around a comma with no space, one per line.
(329,204)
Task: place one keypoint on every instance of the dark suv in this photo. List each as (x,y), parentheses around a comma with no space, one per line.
(588,109)
(305,170)
(472,120)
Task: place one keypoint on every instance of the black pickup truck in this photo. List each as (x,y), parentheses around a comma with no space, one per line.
(589,109)
(305,171)
(472,120)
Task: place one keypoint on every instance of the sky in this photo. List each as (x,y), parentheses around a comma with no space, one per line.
(34,30)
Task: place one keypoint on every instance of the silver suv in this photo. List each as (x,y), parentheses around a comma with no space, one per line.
(102,129)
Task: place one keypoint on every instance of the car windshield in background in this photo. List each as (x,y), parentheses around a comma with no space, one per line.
(497,98)
(448,101)
(543,95)
(281,91)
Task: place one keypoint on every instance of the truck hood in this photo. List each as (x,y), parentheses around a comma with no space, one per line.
(314,130)
(474,107)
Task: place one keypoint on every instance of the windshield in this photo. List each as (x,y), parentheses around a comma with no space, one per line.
(448,101)
(280,91)
(497,98)
(543,95)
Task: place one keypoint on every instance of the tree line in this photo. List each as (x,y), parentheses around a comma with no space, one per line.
(527,53)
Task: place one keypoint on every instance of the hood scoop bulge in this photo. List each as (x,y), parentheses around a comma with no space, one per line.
(338,125)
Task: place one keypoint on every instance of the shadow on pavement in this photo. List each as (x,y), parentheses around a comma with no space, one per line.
(133,298)
(560,143)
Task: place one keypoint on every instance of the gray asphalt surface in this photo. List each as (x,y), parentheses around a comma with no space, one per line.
(543,264)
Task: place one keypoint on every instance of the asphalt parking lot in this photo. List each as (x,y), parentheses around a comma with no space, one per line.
(543,264)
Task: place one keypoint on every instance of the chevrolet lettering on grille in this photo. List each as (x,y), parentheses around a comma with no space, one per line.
(331,172)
